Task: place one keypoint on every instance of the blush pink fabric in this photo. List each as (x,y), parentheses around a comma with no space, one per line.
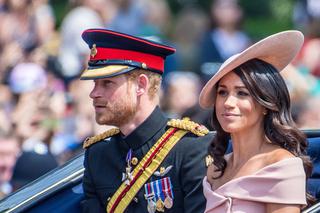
(282,182)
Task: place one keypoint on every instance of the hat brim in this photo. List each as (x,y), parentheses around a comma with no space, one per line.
(278,50)
(105,72)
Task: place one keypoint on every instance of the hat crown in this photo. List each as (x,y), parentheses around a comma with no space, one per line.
(114,53)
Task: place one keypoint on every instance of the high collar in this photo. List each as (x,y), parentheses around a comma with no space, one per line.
(147,129)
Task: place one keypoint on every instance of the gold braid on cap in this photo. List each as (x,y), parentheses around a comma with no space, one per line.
(189,125)
(92,140)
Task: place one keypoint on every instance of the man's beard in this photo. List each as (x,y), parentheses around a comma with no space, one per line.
(119,112)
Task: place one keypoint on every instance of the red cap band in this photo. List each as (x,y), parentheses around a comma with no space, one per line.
(152,61)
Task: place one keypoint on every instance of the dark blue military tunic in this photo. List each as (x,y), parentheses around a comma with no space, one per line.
(105,163)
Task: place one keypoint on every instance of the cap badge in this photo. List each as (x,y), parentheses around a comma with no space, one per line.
(94,51)
(144,65)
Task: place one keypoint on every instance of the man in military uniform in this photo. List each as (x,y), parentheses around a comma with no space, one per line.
(149,163)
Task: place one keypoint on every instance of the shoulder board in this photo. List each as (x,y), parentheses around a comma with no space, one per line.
(187,124)
(92,140)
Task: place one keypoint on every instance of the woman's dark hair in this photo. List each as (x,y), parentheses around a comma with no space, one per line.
(268,88)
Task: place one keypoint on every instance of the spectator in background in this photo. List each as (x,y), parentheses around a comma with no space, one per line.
(18,24)
(7,105)
(306,16)
(45,22)
(309,116)
(190,25)
(310,59)
(225,38)
(73,52)
(9,150)
(181,93)
(128,17)
(31,165)
(180,97)
(157,19)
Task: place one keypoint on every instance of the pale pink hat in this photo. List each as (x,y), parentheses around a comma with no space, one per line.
(278,49)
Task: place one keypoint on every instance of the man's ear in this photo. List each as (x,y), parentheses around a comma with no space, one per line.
(142,84)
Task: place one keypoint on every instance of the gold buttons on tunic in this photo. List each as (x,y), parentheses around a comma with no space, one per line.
(134,161)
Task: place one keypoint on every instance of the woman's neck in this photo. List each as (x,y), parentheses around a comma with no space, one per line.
(247,144)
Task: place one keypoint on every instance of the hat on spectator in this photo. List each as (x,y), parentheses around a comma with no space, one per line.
(31,165)
(26,77)
(278,50)
(113,53)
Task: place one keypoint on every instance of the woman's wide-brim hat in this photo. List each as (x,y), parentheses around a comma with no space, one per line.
(278,50)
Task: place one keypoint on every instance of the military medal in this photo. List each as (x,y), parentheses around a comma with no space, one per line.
(149,196)
(168,202)
(160,205)
(127,176)
(151,207)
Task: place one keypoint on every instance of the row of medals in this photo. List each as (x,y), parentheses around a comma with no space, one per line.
(152,206)
(159,205)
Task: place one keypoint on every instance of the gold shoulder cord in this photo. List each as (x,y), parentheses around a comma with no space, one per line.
(187,124)
(92,140)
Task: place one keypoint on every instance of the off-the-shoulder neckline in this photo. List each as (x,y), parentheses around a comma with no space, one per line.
(253,174)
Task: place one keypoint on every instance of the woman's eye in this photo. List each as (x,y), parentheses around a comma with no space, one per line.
(222,92)
(242,93)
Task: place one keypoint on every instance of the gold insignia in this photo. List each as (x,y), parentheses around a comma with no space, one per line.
(94,51)
(134,161)
(144,65)
(160,205)
(89,141)
(209,160)
(189,125)
(163,171)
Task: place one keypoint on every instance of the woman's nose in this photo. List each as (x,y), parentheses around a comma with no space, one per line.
(230,101)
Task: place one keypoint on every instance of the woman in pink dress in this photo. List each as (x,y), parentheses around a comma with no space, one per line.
(268,168)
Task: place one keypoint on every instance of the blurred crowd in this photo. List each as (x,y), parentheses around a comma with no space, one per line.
(46,112)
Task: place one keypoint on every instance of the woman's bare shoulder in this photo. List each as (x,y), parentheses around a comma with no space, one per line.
(278,154)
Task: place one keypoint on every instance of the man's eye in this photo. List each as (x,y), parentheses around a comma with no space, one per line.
(107,83)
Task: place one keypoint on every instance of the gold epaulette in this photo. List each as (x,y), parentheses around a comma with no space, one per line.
(89,141)
(189,125)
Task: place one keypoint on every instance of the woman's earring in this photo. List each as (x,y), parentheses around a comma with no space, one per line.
(264,113)
(209,160)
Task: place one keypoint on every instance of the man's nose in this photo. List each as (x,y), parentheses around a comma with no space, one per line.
(95,92)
